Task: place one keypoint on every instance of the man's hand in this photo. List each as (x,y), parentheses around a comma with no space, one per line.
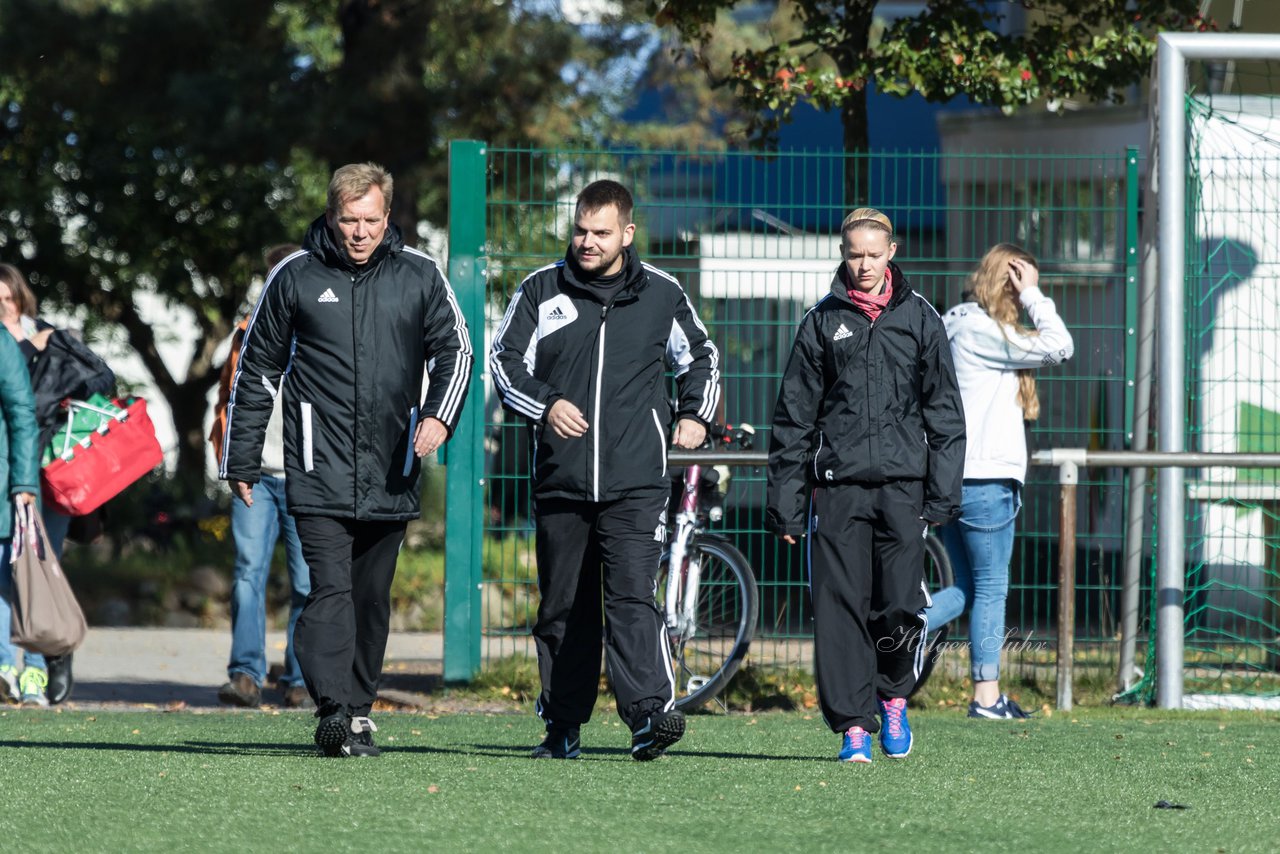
(243,491)
(566,419)
(25,498)
(690,434)
(788,539)
(429,436)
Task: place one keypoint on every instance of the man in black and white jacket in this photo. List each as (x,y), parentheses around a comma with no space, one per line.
(345,328)
(582,353)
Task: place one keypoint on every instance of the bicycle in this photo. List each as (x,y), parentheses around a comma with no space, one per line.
(710,603)
(937,575)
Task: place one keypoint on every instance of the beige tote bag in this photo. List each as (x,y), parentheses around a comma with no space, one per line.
(46,616)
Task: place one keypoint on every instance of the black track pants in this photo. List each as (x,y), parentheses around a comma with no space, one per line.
(341,634)
(866,576)
(591,554)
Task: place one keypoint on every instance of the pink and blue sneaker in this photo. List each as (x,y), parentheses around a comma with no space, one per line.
(895,732)
(856,746)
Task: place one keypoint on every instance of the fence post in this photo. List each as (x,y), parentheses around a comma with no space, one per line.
(1132,196)
(1139,354)
(1068,476)
(464,489)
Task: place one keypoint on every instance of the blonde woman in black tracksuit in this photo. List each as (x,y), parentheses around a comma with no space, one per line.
(867,449)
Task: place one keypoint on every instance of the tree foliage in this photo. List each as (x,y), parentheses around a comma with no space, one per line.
(136,159)
(692,114)
(826,53)
(157,146)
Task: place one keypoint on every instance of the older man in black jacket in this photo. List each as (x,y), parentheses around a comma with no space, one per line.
(345,328)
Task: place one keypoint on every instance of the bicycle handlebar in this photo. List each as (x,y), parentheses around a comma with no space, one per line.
(721,435)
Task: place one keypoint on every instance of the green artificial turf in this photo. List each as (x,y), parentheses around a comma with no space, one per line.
(1086,781)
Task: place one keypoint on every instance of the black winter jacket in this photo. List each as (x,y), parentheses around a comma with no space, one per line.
(351,342)
(65,368)
(867,403)
(560,339)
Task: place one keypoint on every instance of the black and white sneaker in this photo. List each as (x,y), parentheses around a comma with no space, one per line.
(333,734)
(1002,709)
(659,731)
(560,743)
(360,742)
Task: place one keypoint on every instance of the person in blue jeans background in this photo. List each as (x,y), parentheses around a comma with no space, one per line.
(19,484)
(255,530)
(995,358)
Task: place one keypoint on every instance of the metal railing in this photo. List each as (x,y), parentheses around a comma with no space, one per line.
(1170,574)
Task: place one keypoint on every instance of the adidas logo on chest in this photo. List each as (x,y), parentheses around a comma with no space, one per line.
(842,333)
(328,296)
(555,313)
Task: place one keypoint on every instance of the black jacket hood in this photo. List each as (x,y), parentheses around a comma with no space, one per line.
(633,268)
(840,285)
(319,241)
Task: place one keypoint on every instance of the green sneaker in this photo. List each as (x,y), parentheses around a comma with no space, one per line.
(9,683)
(33,681)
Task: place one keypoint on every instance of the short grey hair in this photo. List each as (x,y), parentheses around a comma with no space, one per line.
(354,181)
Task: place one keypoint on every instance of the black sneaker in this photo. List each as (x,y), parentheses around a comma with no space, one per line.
(659,731)
(559,744)
(360,743)
(333,733)
(60,680)
(1002,709)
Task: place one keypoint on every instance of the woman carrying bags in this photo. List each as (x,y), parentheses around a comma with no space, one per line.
(19,484)
(59,366)
(995,358)
(867,449)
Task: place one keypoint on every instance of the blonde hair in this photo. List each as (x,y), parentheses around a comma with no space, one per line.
(355,180)
(866,218)
(992,290)
(23,297)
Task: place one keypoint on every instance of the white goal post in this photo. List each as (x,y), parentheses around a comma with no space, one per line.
(1174,51)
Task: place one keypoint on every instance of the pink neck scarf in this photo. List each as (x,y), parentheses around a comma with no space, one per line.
(873,304)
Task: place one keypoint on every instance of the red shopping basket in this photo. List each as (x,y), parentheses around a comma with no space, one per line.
(97,468)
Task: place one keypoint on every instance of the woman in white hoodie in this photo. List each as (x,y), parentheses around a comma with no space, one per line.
(995,359)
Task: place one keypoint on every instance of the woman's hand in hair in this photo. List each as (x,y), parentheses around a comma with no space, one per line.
(1023,275)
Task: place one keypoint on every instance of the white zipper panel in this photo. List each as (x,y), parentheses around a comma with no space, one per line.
(662,440)
(308,441)
(595,424)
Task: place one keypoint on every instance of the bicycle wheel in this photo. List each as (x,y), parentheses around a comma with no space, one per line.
(937,575)
(725,620)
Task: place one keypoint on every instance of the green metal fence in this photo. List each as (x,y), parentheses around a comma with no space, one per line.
(754,240)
